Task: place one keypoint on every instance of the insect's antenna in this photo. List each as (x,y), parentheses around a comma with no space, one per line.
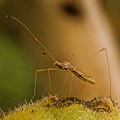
(53,57)
(8,16)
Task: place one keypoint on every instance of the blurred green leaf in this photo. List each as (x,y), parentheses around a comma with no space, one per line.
(16,73)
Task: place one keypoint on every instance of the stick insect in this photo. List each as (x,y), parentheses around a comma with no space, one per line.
(62,65)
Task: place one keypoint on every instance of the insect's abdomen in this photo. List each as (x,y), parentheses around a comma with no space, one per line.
(83,77)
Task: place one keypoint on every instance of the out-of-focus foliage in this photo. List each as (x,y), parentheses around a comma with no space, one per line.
(16,76)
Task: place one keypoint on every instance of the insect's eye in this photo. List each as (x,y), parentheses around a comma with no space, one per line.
(57,63)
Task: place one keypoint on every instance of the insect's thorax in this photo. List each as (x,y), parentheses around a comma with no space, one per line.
(64,65)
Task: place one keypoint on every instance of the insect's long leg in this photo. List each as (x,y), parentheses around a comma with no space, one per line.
(50,81)
(103,49)
(71,58)
(108,66)
(85,91)
(66,75)
(64,83)
(71,86)
(48,75)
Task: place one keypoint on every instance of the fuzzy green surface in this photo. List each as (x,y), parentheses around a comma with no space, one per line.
(45,110)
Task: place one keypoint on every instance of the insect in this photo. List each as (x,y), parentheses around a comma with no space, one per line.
(62,65)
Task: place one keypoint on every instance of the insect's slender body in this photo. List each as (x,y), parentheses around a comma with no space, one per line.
(67,66)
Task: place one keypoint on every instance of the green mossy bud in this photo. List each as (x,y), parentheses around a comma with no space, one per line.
(65,108)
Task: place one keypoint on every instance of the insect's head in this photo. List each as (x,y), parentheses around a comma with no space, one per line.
(56,63)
